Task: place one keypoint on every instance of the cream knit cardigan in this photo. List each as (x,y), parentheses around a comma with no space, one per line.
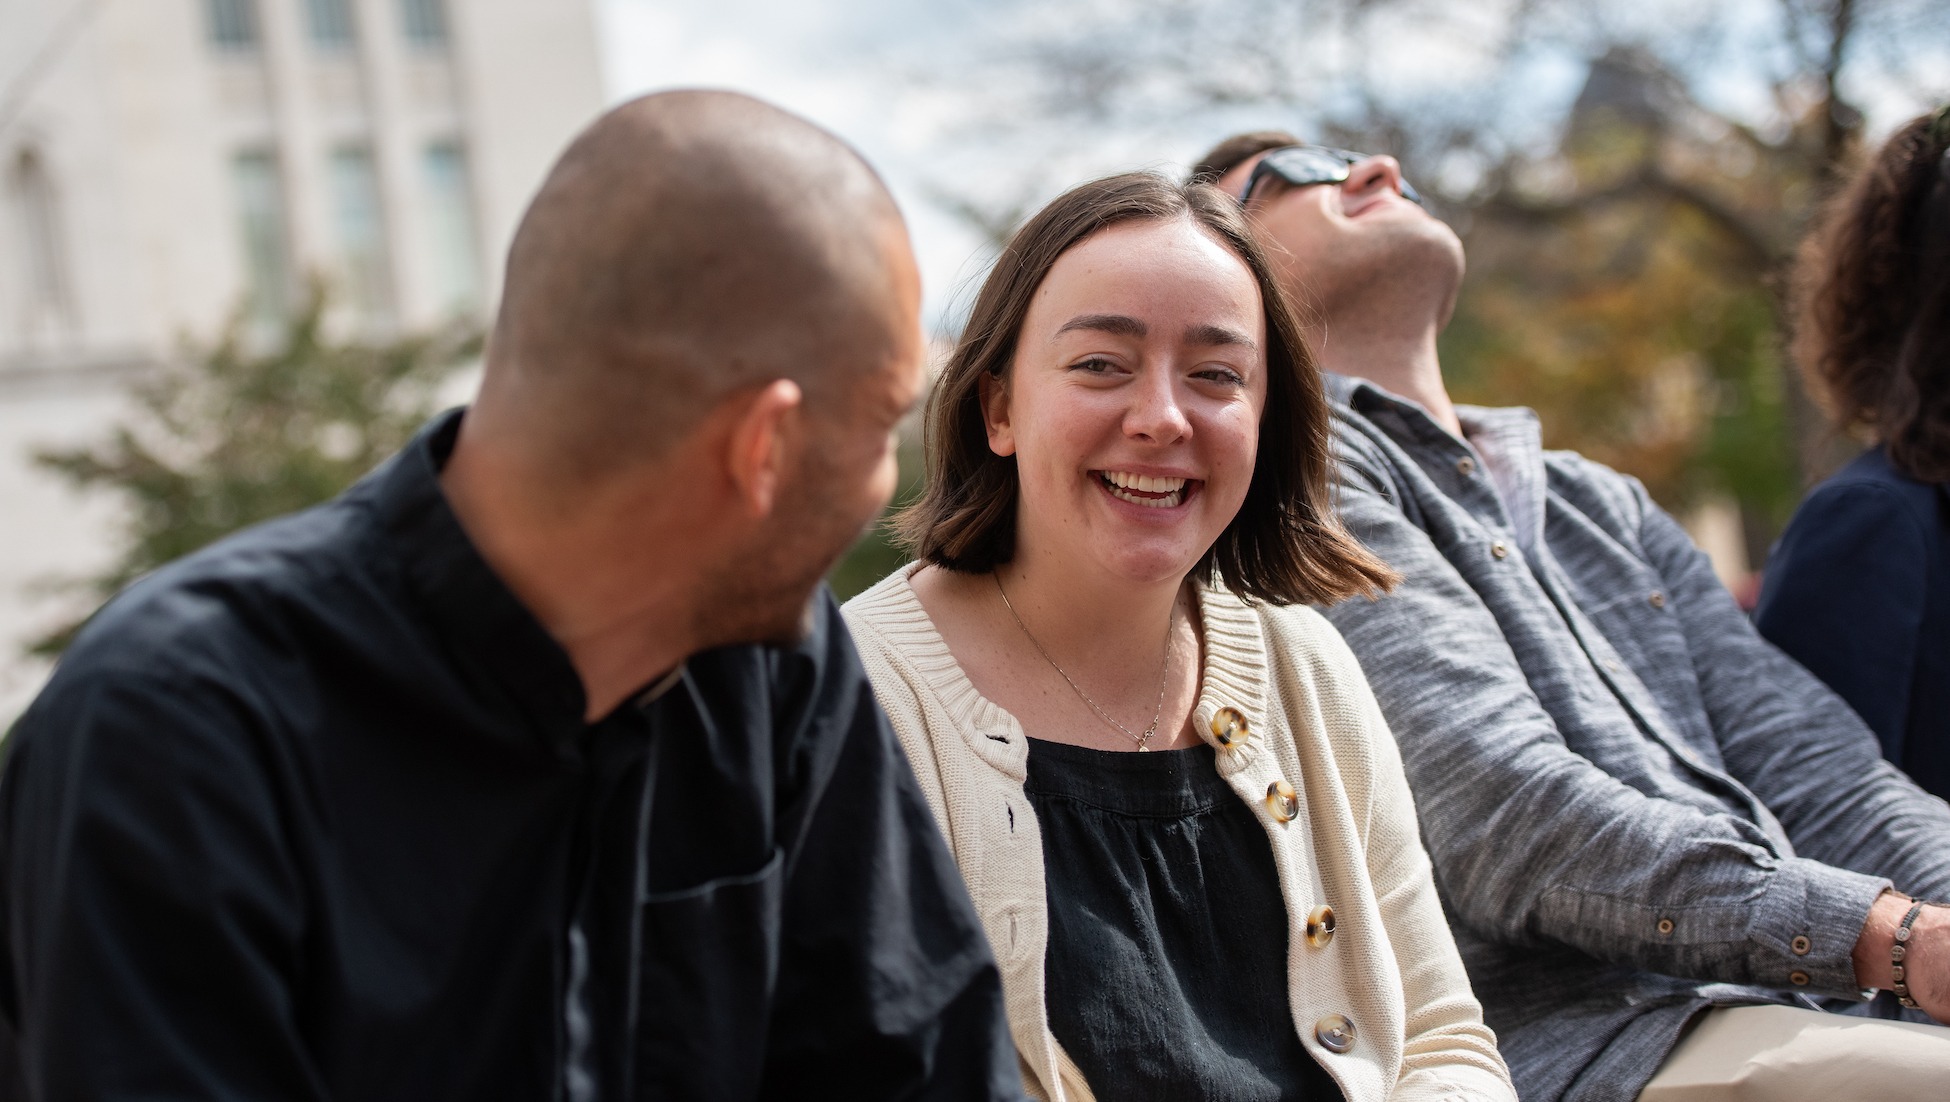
(1391,968)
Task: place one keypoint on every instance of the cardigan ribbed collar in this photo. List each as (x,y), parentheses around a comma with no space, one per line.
(1233,675)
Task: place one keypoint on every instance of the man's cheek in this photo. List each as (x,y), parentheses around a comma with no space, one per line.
(886,478)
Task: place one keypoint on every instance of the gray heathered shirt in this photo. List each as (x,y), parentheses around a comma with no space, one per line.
(1636,807)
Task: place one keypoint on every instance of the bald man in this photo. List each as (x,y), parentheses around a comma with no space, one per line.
(538,765)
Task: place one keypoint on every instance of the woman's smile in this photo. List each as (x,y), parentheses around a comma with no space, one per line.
(1139,370)
(1151,492)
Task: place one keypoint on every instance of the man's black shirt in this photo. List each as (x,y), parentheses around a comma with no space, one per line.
(315,814)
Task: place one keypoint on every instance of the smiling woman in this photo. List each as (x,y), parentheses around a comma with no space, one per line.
(1283,545)
(1128,512)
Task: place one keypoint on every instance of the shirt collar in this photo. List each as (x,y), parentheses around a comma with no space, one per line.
(1366,398)
(1508,440)
(503,654)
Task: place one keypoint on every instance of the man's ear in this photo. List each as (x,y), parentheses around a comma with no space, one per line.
(756,453)
(994,393)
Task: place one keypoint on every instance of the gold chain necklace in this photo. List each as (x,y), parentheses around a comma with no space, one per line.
(1163,674)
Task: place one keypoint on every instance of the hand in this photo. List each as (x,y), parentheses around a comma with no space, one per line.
(1926,960)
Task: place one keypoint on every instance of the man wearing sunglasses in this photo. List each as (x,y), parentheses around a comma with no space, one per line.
(1305,165)
(1644,819)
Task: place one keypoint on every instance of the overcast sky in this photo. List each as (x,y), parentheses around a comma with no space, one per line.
(869,69)
(828,61)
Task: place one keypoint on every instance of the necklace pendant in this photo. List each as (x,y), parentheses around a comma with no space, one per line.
(1144,749)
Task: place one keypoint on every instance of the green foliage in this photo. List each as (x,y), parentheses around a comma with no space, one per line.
(1637,348)
(875,555)
(235,435)
(1640,313)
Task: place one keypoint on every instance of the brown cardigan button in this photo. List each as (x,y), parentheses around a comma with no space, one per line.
(1282,801)
(1320,927)
(1229,728)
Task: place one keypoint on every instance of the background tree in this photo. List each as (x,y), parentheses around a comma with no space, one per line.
(235,434)
(1630,180)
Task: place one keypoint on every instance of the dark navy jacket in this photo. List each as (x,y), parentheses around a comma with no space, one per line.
(314,814)
(1858,591)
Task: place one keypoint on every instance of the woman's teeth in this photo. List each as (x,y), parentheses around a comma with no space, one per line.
(1138,489)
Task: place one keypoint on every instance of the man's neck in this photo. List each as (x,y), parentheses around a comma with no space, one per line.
(1401,361)
(622,620)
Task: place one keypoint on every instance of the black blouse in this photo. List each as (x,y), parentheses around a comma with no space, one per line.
(1167,964)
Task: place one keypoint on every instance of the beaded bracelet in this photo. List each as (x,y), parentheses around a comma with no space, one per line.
(1900,950)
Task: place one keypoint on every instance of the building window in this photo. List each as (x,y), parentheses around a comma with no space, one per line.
(330,23)
(425,23)
(47,300)
(456,264)
(267,263)
(364,284)
(233,24)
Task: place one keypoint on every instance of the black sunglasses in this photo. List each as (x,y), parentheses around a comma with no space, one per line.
(1307,165)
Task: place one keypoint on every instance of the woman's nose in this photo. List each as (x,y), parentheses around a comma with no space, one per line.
(1156,413)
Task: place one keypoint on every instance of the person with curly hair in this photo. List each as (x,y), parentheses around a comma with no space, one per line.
(1858,589)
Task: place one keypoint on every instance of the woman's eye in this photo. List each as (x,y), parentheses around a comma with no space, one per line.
(1095,364)
(1224,375)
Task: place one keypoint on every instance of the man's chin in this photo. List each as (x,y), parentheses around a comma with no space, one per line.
(800,627)
(781,618)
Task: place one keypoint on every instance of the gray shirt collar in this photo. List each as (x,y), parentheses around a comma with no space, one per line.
(1506,441)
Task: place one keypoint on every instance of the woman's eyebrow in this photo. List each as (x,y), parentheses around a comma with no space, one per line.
(1217,335)
(1120,324)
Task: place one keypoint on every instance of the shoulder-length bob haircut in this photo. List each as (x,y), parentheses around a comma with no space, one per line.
(1285,545)
(1872,300)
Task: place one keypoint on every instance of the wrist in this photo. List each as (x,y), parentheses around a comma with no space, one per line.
(1924,955)
(1899,953)
(1925,962)
(1872,948)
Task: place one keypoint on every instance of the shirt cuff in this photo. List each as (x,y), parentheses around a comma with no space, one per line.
(1807,924)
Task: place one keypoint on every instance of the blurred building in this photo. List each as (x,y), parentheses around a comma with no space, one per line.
(170,167)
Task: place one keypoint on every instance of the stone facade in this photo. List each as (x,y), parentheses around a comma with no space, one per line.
(169,166)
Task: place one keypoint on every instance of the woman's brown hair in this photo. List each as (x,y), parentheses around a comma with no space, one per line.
(1285,546)
(1872,299)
